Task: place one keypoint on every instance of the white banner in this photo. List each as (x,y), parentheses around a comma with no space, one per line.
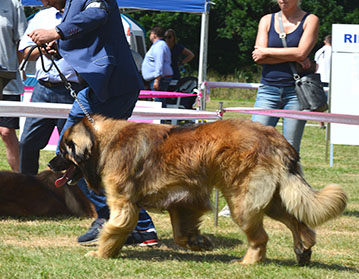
(345,81)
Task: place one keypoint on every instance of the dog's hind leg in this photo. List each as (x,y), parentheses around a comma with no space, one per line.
(251,222)
(185,225)
(303,236)
(123,219)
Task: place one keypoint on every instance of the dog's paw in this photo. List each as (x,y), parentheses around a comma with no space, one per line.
(303,257)
(242,261)
(199,243)
(91,254)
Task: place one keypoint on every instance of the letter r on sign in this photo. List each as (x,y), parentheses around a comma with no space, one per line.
(348,38)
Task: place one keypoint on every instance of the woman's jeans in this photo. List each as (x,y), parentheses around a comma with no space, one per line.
(272,97)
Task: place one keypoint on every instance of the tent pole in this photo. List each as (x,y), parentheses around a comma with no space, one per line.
(202,68)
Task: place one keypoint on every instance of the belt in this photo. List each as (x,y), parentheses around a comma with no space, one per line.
(167,76)
(53,84)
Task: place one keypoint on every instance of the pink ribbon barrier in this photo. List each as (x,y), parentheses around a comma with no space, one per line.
(240,85)
(28,89)
(220,84)
(163,94)
(144,93)
(302,115)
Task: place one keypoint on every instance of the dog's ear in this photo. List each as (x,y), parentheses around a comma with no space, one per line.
(79,141)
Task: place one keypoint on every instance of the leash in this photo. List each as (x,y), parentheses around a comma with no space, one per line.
(67,84)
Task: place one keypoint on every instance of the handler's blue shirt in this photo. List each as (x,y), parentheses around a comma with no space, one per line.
(94,44)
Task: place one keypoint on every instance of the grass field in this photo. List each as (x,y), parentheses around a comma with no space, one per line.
(47,248)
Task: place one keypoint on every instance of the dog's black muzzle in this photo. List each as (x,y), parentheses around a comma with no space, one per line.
(59,163)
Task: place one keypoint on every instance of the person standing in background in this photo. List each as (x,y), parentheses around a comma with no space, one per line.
(12,26)
(49,89)
(323,58)
(177,52)
(156,66)
(277,90)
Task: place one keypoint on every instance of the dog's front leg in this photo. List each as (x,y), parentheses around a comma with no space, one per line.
(123,219)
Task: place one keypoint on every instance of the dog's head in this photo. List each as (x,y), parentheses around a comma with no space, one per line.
(76,149)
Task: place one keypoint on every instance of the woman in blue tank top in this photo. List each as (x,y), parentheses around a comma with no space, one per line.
(277,90)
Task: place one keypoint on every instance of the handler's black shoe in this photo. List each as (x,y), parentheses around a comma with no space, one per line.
(93,233)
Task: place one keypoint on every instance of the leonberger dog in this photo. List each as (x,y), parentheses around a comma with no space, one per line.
(23,195)
(166,167)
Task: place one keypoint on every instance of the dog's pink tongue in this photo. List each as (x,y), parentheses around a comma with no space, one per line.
(66,177)
(62,180)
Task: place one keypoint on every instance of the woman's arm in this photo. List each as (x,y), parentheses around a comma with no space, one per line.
(259,54)
(188,55)
(264,55)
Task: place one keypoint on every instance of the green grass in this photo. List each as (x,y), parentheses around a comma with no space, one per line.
(47,248)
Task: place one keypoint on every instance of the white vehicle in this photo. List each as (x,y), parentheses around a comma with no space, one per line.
(135,34)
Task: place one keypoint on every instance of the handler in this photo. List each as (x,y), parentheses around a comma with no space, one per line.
(92,41)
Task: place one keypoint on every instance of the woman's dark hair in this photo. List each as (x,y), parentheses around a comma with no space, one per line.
(171,33)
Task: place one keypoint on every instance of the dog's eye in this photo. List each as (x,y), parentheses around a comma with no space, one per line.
(70,147)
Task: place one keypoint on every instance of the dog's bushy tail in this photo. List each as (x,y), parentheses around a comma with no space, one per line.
(310,206)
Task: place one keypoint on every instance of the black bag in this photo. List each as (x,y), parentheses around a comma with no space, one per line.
(184,85)
(309,88)
(310,93)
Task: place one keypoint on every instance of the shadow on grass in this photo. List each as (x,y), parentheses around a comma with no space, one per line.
(162,254)
(41,218)
(351,213)
(173,252)
(313,265)
(217,241)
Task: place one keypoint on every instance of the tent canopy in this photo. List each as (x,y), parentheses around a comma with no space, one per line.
(188,6)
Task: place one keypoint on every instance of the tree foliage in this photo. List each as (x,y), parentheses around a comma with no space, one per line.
(233,28)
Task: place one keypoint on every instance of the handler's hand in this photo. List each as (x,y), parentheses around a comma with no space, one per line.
(258,53)
(156,86)
(52,48)
(43,36)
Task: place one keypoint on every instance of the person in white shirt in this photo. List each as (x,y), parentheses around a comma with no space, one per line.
(323,58)
(156,66)
(49,89)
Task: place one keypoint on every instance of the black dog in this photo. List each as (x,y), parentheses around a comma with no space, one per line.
(36,195)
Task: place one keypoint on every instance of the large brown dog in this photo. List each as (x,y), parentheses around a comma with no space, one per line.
(36,195)
(164,167)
